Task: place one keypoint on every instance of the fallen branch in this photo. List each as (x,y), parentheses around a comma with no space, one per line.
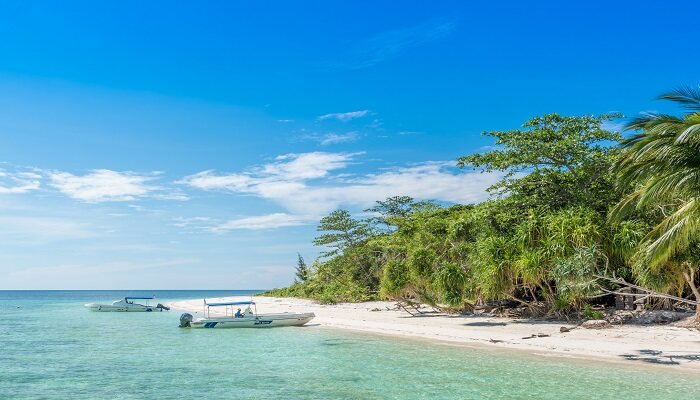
(647,292)
(400,304)
(536,335)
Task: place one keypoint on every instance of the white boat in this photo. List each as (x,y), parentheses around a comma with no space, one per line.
(127,304)
(247,319)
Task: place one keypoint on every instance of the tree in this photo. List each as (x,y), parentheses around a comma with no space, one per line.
(554,162)
(389,211)
(393,207)
(544,243)
(661,166)
(343,232)
(302,271)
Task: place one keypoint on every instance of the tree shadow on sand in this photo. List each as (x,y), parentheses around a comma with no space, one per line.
(659,357)
(485,323)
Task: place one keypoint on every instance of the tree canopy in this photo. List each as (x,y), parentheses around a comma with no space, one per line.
(577,202)
(555,161)
(660,166)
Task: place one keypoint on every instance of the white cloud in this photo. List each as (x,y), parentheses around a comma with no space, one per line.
(331,137)
(207,180)
(192,224)
(284,175)
(184,222)
(19,182)
(306,165)
(301,192)
(103,185)
(429,181)
(270,221)
(335,138)
(344,117)
(175,195)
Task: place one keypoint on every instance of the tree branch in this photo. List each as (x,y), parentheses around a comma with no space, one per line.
(648,292)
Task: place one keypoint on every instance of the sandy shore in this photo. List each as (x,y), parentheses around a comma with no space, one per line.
(672,347)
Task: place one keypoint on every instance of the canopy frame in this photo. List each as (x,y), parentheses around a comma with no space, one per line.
(229,306)
(130,299)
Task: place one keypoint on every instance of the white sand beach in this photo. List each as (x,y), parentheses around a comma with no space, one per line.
(662,345)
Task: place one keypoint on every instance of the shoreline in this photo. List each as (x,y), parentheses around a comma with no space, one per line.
(670,347)
(538,355)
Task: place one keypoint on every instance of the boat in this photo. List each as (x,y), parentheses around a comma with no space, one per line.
(247,319)
(127,304)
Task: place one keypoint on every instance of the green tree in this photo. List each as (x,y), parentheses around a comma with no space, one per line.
(342,232)
(450,279)
(302,271)
(395,280)
(393,207)
(554,162)
(661,166)
(389,213)
(541,244)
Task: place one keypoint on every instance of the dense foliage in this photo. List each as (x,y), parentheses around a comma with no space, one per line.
(661,165)
(576,202)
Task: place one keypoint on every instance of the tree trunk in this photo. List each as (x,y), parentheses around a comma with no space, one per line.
(690,278)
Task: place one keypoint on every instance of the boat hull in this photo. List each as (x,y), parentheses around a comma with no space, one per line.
(121,308)
(261,321)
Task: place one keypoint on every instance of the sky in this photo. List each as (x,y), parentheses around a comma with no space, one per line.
(195,145)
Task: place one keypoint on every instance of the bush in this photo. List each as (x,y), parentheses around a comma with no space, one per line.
(590,313)
(395,278)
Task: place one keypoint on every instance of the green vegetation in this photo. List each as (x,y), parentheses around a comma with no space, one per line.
(302,272)
(577,204)
(661,166)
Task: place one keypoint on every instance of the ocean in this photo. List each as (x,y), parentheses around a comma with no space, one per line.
(53,348)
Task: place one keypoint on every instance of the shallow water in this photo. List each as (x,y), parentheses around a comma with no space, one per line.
(52,348)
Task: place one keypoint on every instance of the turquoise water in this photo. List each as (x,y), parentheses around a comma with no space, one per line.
(52,348)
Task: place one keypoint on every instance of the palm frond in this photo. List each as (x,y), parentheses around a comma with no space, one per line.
(644,120)
(662,164)
(688,135)
(688,96)
(625,207)
(673,234)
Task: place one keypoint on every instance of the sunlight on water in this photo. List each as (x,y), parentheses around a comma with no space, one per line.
(52,348)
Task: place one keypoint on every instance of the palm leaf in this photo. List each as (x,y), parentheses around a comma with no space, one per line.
(688,96)
(674,234)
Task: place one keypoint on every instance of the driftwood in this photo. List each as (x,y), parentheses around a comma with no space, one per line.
(405,304)
(647,292)
(536,335)
(401,305)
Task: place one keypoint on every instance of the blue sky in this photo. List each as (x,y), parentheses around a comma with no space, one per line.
(173,145)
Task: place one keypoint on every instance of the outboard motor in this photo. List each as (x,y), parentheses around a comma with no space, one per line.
(162,307)
(185,320)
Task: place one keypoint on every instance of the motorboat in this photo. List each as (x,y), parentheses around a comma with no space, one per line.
(246,319)
(127,304)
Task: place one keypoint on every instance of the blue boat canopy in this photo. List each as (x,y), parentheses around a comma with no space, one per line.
(233,303)
(140,298)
